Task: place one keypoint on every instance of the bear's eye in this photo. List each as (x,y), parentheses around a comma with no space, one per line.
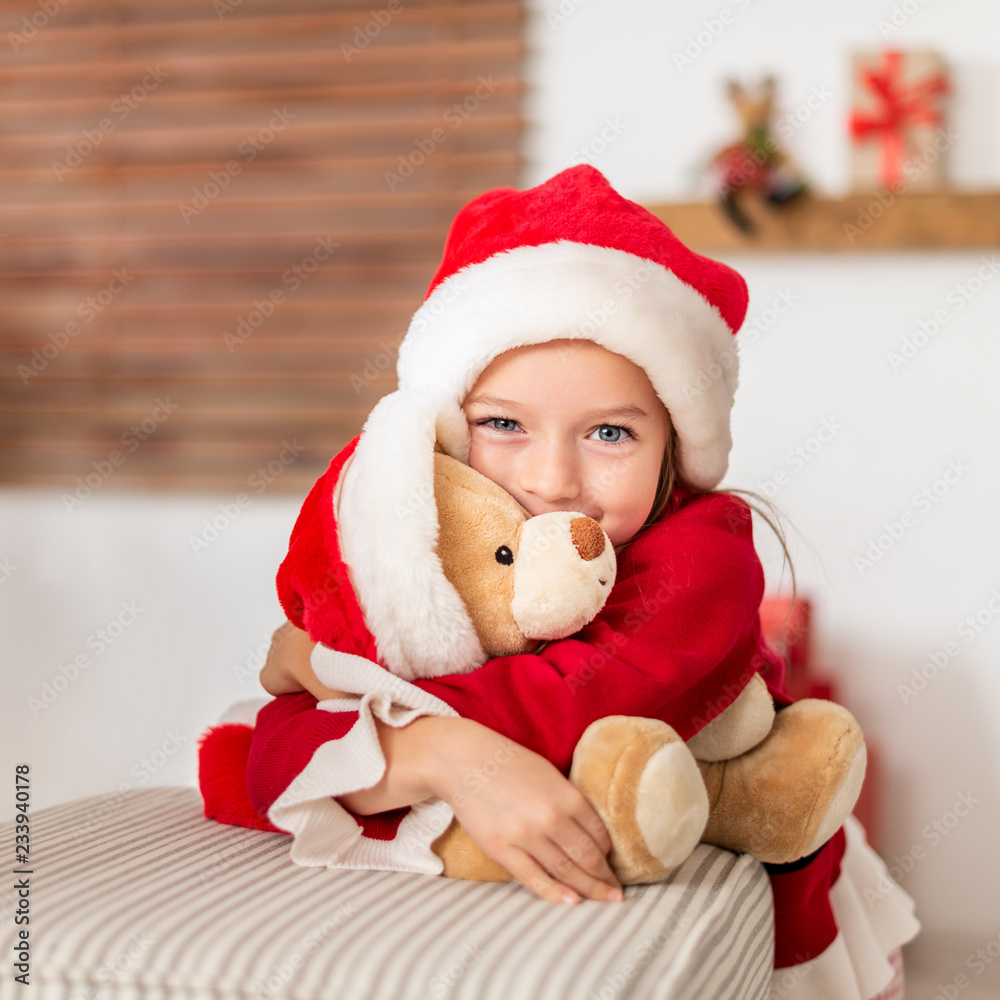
(504,556)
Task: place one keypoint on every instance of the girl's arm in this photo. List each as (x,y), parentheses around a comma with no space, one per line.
(526,815)
(533,821)
(678,639)
(287,669)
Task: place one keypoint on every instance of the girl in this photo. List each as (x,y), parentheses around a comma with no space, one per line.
(576,353)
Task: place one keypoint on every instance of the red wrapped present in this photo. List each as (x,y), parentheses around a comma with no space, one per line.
(898,130)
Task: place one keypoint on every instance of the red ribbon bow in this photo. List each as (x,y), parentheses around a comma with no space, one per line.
(900,108)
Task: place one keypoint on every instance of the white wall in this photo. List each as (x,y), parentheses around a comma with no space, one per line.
(170,637)
(610,68)
(191,651)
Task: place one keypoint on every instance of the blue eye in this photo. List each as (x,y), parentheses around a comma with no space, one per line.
(611,433)
(502,424)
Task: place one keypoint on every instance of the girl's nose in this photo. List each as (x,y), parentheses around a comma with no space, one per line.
(550,474)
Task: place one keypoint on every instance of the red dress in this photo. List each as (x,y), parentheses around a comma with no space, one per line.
(677,640)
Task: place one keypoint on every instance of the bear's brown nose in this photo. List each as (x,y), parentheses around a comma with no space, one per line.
(587,537)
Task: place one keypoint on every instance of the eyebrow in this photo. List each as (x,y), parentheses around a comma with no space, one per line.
(614,411)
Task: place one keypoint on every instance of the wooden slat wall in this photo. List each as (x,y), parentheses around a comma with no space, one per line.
(175,90)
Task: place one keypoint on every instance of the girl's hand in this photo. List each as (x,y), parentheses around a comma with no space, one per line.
(288,668)
(525,814)
(531,819)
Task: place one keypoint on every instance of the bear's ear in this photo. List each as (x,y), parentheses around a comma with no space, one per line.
(479,535)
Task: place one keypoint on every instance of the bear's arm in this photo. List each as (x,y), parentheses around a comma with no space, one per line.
(678,639)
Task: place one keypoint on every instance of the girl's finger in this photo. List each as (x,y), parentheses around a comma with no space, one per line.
(536,879)
(585,838)
(576,860)
(560,867)
(587,816)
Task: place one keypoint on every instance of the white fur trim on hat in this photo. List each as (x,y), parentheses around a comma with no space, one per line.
(388,533)
(567,290)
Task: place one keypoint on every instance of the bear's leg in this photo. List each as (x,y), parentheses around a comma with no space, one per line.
(464,858)
(787,796)
(645,784)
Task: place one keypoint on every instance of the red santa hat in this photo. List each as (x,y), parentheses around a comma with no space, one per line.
(573,259)
(570,258)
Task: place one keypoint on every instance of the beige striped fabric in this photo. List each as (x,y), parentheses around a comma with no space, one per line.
(139,896)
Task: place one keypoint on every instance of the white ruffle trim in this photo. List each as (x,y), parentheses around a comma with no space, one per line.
(874,917)
(326,834)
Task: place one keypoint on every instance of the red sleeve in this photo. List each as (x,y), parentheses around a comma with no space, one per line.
(289,729)
(678,639)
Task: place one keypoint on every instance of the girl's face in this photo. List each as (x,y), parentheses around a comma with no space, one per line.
(567,425)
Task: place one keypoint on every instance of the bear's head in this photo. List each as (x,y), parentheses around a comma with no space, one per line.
(522,579)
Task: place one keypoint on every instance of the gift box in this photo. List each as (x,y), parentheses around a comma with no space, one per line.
(899,136)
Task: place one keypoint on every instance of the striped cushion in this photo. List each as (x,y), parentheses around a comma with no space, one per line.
(140,896)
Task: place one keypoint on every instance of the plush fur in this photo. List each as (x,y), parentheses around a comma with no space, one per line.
(787,796)
(791,778)
(645,785)
(389,534)
(787,784)
(535,294)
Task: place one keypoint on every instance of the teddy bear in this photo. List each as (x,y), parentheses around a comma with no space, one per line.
(776,785)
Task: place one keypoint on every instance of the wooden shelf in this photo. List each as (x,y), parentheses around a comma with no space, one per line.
(856,224)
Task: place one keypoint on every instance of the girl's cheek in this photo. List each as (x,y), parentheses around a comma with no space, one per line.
(483,458)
